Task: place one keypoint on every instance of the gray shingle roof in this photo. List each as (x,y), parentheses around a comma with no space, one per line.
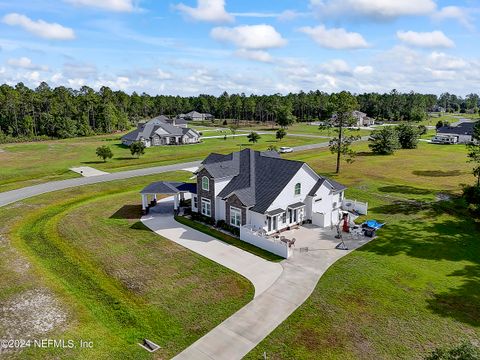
(147,130)
(257,178)
(169,187)
(464,128)
(334,185)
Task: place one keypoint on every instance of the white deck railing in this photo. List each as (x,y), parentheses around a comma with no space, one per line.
(256,238)
(354,205)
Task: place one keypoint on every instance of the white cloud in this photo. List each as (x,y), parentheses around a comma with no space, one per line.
(335,38)
(110,5)
(40,28)
(376,9)
(434,39)
(163,75)
(462,15)
(363,70)
(256,55)
(26,63)
(442,61)
(207,10)
(250,36)
(336,66)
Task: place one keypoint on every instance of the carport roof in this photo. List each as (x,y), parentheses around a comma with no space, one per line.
(169,188)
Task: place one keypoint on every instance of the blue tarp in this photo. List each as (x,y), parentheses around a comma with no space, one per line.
(374,224)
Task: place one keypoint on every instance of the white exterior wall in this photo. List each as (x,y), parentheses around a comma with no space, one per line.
(256,220)
(219,203)
(304,176)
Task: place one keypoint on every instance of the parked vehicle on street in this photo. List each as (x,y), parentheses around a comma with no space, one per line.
(285,149)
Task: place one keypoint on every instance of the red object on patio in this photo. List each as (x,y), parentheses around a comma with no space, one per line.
(346,228)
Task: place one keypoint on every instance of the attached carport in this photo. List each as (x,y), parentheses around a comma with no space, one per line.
(169,188)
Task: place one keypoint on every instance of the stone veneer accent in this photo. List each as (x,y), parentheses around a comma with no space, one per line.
(205,194)
(235,202)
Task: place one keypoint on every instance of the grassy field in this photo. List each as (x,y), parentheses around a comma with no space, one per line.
(415,287)
(31,163)
(80,265)
(297,128)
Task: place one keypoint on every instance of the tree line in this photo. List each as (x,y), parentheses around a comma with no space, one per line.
(63,112)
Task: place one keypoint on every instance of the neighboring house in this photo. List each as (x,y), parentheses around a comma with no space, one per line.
(162,131)
(194,115)
(461,133)
(260,190)
(361,119)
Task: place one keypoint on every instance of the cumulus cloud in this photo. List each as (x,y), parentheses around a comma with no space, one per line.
(434,39)
(462,15)
(335,38)
(363,70)
(207,10)
(376,9)
(26,63)
(256,55)
(110,5)
(256,37)
(52,31)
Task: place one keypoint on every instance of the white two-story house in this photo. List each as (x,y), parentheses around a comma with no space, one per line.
(260,190)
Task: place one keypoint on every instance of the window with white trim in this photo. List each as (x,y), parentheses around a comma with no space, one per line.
(195,202)
(205,183)
(206,207)
(235,216)
(298,189)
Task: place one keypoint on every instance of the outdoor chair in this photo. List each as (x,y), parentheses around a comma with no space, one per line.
(291,243)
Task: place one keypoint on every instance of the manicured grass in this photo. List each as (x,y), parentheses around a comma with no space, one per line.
(117,281)
(228,239)
(415,287)
(31,163)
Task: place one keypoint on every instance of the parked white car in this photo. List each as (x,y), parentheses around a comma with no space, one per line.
(285,149)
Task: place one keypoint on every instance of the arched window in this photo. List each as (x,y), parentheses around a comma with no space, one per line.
(205,183)
(298,189)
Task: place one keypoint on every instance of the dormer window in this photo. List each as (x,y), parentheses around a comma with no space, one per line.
(298,189)
(205,183)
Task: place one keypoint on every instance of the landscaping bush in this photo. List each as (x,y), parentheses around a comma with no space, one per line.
(422,130)
(202,218)
(222,224)
(471,194)
(465,351)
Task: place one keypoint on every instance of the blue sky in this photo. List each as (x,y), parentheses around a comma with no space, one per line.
(188,47)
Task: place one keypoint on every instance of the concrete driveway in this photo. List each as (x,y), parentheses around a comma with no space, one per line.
(280,288)
(261,273)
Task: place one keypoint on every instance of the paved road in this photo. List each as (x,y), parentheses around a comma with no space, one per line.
(12,196)
(30,191)
(261,273)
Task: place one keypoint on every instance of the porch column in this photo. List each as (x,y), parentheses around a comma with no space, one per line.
(175,202)
(144,201)
(155,198)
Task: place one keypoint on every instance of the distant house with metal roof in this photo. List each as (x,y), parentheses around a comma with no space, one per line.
(460,133)
(162,130)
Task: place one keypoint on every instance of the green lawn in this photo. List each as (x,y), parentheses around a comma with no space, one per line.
(31,163)
(415,287)
(115,281)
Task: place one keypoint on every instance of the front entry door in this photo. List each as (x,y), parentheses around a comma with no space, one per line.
(269,222)
(275,224)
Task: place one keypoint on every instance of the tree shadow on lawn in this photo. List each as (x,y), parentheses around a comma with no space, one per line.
(437,173)
(129,212)
(125,158)
(93,162)
(454,240)
(405,189)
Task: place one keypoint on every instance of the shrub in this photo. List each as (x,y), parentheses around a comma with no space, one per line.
(422,130)
(407,136)
(104,152)
(202,218)
(225,123)
(384,141)
(222,224)
(465,351)
(137,148)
